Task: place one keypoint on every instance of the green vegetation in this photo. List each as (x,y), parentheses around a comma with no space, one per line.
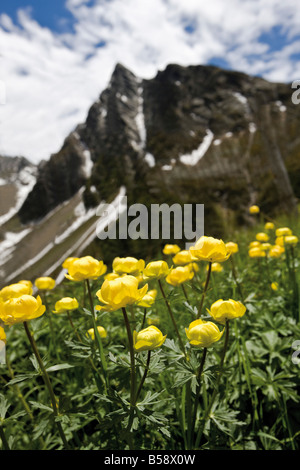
(241,393)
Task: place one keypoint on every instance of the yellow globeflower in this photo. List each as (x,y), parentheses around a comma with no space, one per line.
(216,267)
(111,276)
(65,304)
(291,240)
(256,252)
(68,261)
(179,275)
(203,334)
(262,237)
(86,267)
(2,335)
(274,286)
(148,299)
(118,293)
(128,265)
(15,290)
(102,332)
(276,251)
(283,231)
(170,249)
(232,247)
(182,257)
(269,226)
(20,309)
(156,270)
(148,339)
(254,244)
(223,310)
(265,246)
(254,209)
(45,283)
(210,249)
(286,240)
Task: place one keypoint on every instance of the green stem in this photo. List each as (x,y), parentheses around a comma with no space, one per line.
(199,373)
(185,293)
(144,376)
(205,290)
(132,368)
(215,392)
(144,319)
(47,383)
(172,317)
(3,438)
(97,336)
(234,274)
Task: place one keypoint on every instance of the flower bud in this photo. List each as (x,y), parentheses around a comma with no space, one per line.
(20,309)
(180,275)
(102,332)
(86,267)
(120,292)
(210,249)
(148,339)
(128,265)
(45,283)
(203,334)
(223,310)
(156,270)
(65,304)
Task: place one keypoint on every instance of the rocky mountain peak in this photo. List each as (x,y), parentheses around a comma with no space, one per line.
(197,133)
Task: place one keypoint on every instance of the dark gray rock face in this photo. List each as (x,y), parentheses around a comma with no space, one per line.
(195,134)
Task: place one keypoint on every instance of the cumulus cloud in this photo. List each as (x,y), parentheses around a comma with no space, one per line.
(52,78)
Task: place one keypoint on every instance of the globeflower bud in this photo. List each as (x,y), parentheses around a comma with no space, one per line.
(148,339)
(170,249)
(223,310)
(179,275)
(291,240)
(45,283)
(262,237)
(20,309)
(148,299)
(102,332)
(86,267)
(182,257)
(156,270)
(210,249)
(276,251)
(120,292)
(15,290)
(65,304)
(283,231)
(254,209)
(216,268)
(256,252)
(232,247)
(128,265)
(203,334)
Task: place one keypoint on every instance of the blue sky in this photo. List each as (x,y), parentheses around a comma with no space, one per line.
(56,56)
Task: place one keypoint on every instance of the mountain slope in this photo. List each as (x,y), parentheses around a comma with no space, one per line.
(196,133)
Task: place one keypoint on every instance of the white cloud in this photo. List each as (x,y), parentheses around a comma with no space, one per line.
(52,79)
